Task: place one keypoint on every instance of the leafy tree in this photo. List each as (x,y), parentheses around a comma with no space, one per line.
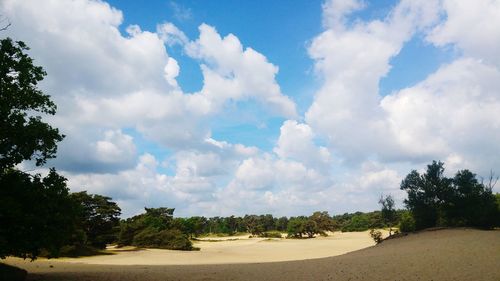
(472,203)
(359,222)
(98,218)
(427,195)
(35,212)
(310,227)
(253,224)
(156,228)
(23,136)
(435,200)
(172,239)
(281,223)
(407,223)
(323,221)
(295,227)
(388,211)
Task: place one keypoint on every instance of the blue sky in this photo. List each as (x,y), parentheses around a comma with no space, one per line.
(282,33)
(234,107)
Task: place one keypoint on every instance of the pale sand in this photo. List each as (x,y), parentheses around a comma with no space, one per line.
(451,254)
(243,250)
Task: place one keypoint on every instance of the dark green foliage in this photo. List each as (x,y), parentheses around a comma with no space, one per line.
(281,224)
(388,212)
(23,136)
(310,227)
(435,200)
(359,222)
(295,227)
(407,223)
(98,222)
(172,239)
(254,224)
(323,221)
(271,234)
(427,195)
(35,213)
(155,229)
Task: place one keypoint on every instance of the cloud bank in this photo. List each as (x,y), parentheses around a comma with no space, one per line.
(113,88)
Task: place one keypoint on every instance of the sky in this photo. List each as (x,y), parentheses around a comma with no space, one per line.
(221,108)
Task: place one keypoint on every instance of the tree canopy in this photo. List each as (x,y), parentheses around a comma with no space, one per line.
(435,200)
(23,135)
(35,212)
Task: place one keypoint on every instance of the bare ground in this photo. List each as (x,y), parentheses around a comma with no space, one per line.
(449,254)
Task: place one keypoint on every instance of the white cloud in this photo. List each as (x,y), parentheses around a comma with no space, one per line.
(336,11)
(231,72)
(296,142)
(441,117)
(450,115)
(104,81)
(115,147)
(171,35)
(472,26)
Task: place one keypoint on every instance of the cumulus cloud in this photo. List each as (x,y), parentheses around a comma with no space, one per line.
(439,118)
(107,84)
(296,142)
(231,72)
(472,27)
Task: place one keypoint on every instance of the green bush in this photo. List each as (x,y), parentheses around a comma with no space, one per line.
(407,223)
(358,222)
(271,234)
(171,239)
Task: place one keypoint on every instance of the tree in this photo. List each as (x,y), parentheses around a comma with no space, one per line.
(98,218)
(427,195)
(281,223)
(295,227)
(156,228)
(473,203)
(35,212)
(323,221)
(435,200)
(388,211)
(310,228)
(23,136)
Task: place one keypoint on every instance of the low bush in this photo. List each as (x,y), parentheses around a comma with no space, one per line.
(271,234)
(171,239)
(407,223)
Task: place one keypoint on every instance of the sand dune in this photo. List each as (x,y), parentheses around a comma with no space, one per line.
(452,254)
(240,249)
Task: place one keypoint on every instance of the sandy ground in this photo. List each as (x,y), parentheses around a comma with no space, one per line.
(240,249)
(453,254)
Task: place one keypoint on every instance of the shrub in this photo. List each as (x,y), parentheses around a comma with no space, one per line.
(171,239)
(271,234)
(376,235)
(407,223)
(359,222)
